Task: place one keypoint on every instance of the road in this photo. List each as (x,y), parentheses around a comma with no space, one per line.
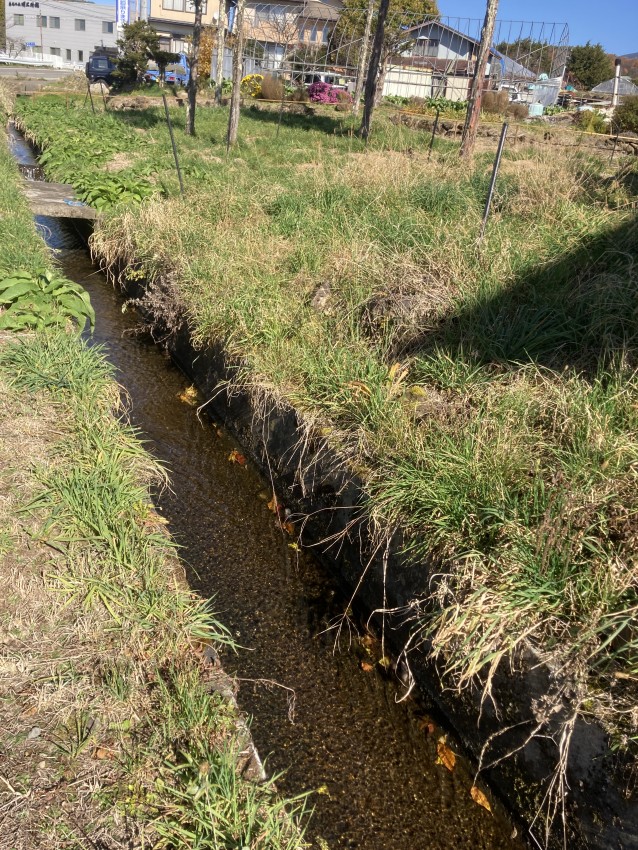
(23,72)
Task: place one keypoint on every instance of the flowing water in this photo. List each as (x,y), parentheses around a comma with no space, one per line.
(334,726)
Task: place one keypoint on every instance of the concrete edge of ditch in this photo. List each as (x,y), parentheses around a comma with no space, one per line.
(599,812)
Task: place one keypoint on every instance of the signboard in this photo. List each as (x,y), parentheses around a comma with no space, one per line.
(30,44)
(121,12)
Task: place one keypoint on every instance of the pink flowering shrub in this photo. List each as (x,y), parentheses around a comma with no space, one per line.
(323,93)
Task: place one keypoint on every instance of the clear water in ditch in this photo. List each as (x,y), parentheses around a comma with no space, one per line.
(371,759)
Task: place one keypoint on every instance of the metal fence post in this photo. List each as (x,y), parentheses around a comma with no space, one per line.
(170,130)
(497,162)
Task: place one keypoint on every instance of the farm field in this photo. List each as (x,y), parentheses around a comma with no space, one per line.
(485,393)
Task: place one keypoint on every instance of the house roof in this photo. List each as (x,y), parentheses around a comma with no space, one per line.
(317,10)
(440,25)
(624,87)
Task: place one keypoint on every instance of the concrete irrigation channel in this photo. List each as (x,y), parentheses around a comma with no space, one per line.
(326,715)
(330,714)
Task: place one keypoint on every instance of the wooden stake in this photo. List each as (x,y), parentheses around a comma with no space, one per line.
(468,138)
(235,98)
(194,70)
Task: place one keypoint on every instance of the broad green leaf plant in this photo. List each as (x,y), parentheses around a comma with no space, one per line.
(33,300)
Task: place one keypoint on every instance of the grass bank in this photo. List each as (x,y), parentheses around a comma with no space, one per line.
(486,394)
(117,728)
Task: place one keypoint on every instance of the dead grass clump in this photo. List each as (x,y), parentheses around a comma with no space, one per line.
(495,102)
(272,88)
(119,162)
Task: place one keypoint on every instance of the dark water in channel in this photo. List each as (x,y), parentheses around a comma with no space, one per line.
(372,758)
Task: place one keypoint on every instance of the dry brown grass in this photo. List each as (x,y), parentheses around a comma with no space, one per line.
(49,654)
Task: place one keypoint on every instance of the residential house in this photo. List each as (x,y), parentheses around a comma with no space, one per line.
(437,61)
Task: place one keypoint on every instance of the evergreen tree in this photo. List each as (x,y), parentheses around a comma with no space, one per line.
(589,65)
(138,44)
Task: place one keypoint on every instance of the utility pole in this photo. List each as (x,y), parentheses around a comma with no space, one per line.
(468,139)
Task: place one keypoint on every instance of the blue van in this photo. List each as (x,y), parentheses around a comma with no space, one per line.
(177,73)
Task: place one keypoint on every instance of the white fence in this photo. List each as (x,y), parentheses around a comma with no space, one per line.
(40,60)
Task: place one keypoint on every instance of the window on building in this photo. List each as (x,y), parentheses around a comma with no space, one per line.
(80,24)
(68,56)
(18,20)
(41,21)
(426,47)
(54,23)
(183,6)
(55,51)
(272,13)
(80,56)
(107,26)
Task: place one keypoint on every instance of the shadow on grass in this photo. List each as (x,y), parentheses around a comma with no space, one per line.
(579,312)
(298,120)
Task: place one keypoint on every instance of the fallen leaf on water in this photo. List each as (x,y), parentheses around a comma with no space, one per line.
(273,505)
(479,798)
(367,668)
(188,396)
(323,789)
(288,527)
(294,546)
(236,457)
(445,755)
(385,662)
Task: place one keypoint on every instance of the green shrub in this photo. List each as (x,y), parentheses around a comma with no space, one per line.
(626,115)
(591,121)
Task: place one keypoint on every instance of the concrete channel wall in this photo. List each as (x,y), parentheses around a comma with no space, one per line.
(600,799)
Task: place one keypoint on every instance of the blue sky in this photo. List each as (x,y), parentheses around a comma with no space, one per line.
(613,24)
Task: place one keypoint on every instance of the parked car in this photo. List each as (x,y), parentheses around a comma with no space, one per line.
(100,67)
(177,73)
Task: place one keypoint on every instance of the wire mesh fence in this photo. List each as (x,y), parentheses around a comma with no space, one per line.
(319,44)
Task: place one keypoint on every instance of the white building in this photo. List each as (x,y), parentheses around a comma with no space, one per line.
(66,30)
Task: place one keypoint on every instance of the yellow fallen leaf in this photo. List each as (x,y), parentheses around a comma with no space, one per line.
(479,798)
(102,753)
(236,457)
(359,388)
(445,756)
(189,396)
(367,668)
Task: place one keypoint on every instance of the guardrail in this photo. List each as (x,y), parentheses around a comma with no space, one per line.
(45,60)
